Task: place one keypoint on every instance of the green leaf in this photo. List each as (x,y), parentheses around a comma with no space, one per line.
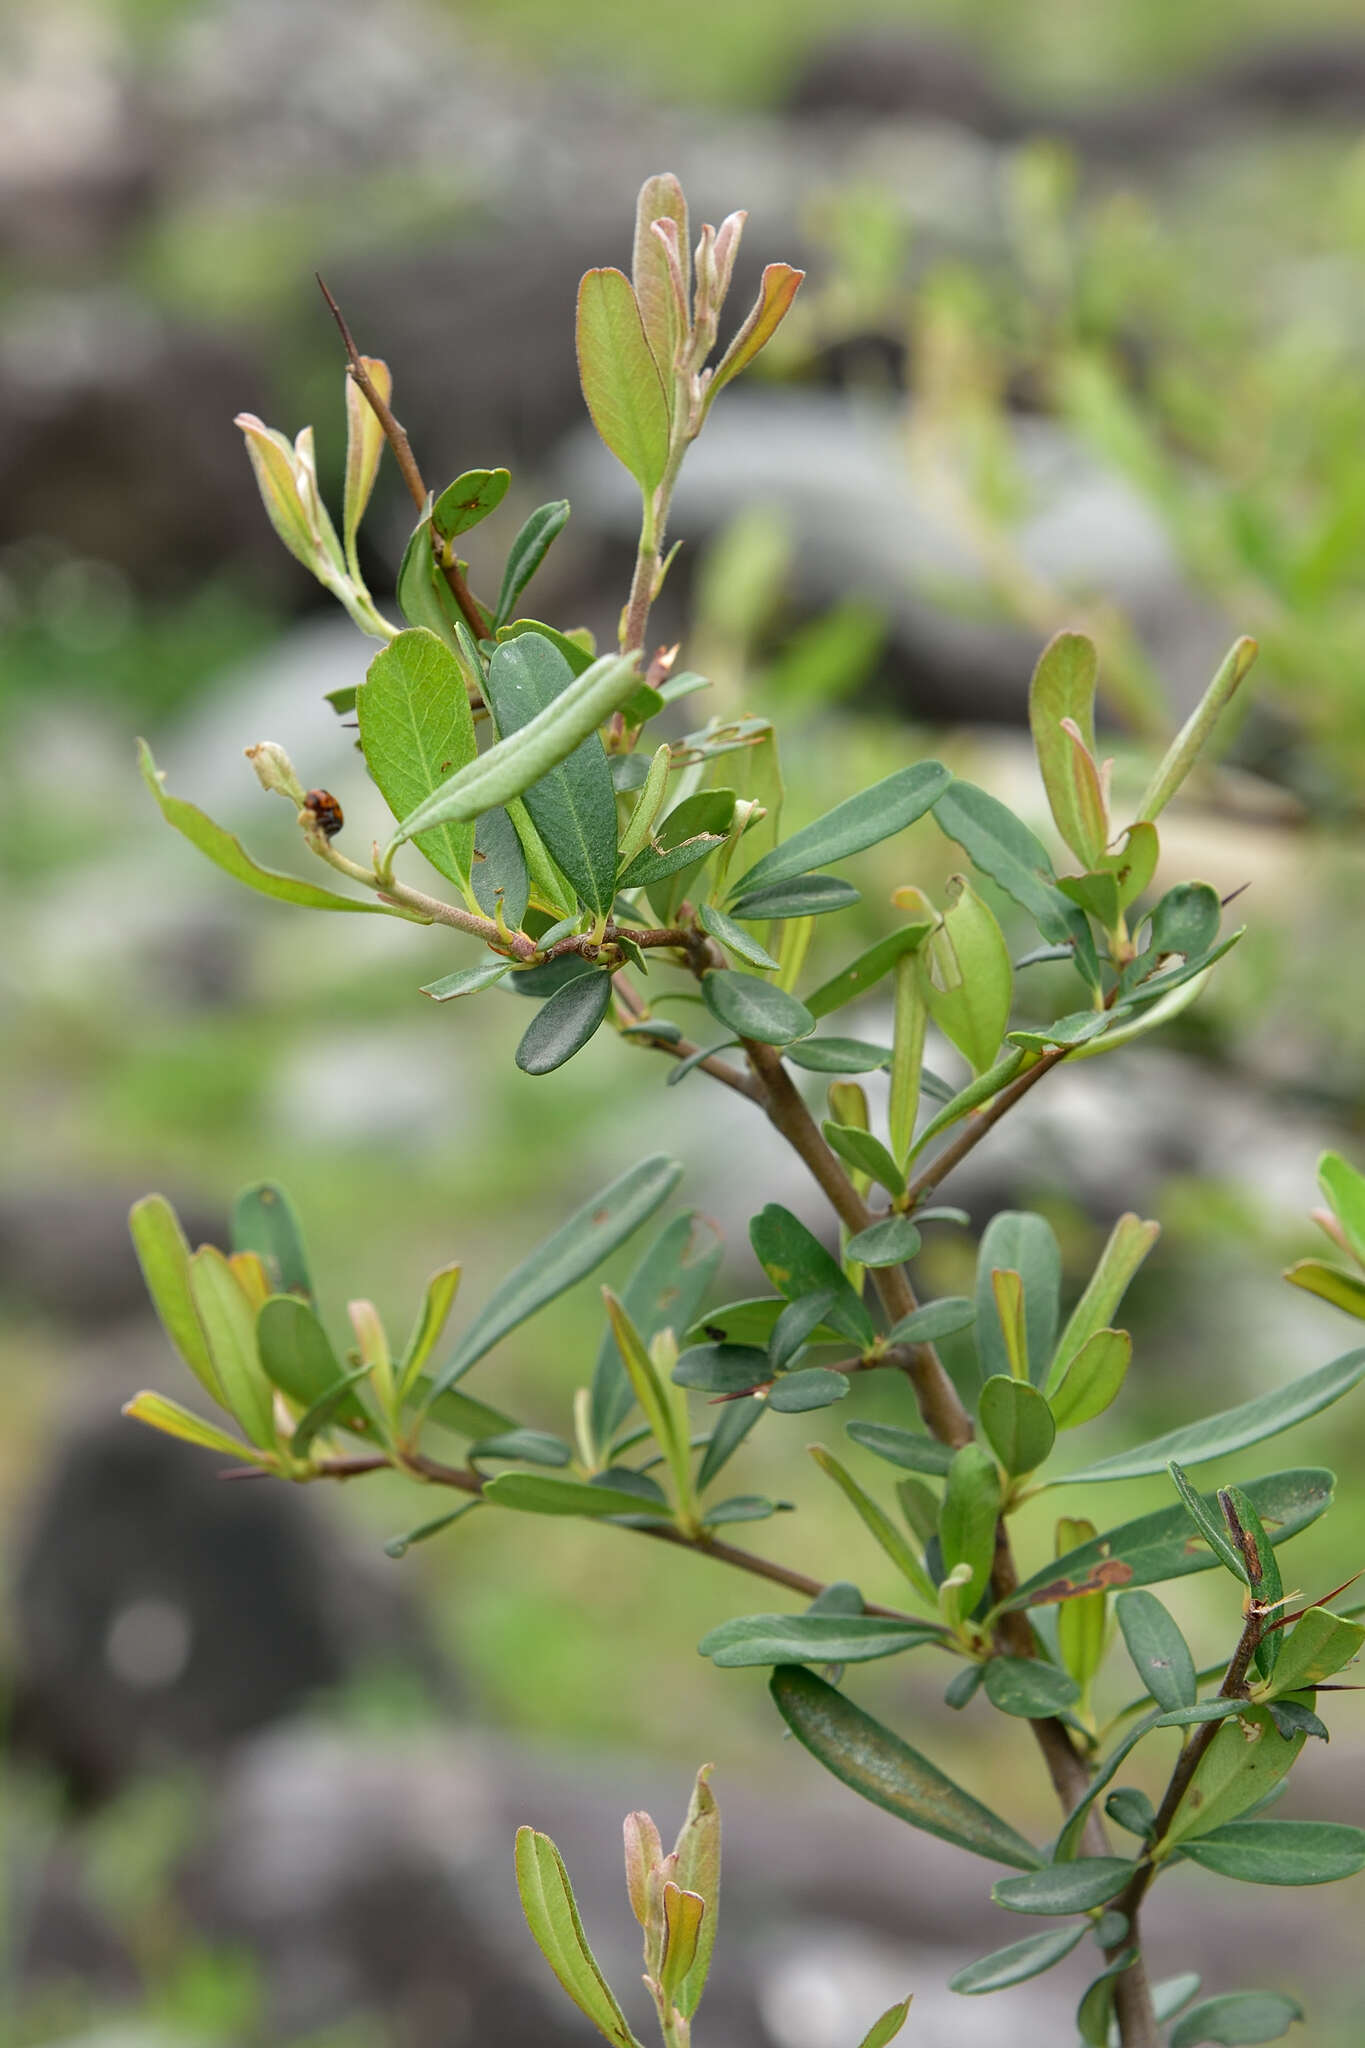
(1017,1963)
(364,447)
(658,865)
(164,1257)
(1129,1243)
(1244,1761)
(1017,1423)
(839,1055)
(535,1493)
(1218,1435)
(1263,1572)
(1029,1688)
(888,1243)
(1318,1646)
(467,981)
(571,1252)
(327,1410)
(722,1369)
(1160,1654)
(966,978)
(1001,846)
(867,970)
(1181,756)
(1063,687)
(1163,1546)
(563,1025)
(859,822)
(911,1449)
(469,500)
(416,729)
(527,552)
(751,1322)
(399,1546)
(229,1325)
(1238,2019)
(744,1507)
(664,1413)
(797,1264)
(499,874)
(697,1869)
(865,1154)
(803,896)
(551,1912)
(664,1292)
(777,288)
(264,1222)
(934,1319)
(1021,1242)
(172,1420)
(460,1412)
(620,378)
(755,1009)
(576,648)
(1093,1378)
(736,940)
(1331,1283)
(737,1418)
(691,832)
(812,1639)
(797,1393)
(1344,1190)
(972,1096)
(1065,1887)
(297,1357)
(531,1446)
(1281,1851)
(882,1768)
(880,1526)
(424,597)
(649,803)
(966,1526)
(573,807)
(1210,1523)
(538,751)
(228,853)
(887,2027)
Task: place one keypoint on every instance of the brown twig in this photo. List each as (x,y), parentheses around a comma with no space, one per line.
(396,436)
(980,1122)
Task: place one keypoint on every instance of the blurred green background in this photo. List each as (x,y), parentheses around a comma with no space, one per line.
(1086,289)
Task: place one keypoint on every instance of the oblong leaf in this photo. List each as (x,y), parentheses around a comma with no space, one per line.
(1281,1851)
(966,980)
(722,1369)
(839,1055)
(882,1768)
(887,2027)
(966,1523)
(573,807)
(563,1025)
(812,1639)
(620,378)
(527,552)
(1159,1651)
(888,1243)
(1019,1241)
(865,1154)
(1029,1688)
(1217,1435)
(798,1264)
(755,1009)
(172,1420)
(1065,1887)
(164,1257)
(469,500)
(733,937)
(935,1319)
(664,1292)
(566,1256)
(551,1912)
(1245,1760)
(802,896)
(1316,1648)
(1017,1963)
(1238,2019)
(778,287)
(264,1221)
(229,1323)
(467,981)
(1128,1245)
(1093,1379)
(1002,846)
(911,1449)
(867,970)
(1017,1423)
(859,822)
(536,1493)
(416,730)
(798,1393)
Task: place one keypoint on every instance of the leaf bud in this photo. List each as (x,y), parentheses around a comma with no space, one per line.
(275,770)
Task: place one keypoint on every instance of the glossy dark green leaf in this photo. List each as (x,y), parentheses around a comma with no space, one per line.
(859,822)
(796,1393)
(812,1639)
(664,1292)
(1002,846)
(1017,1963)
(867,970)
(1239,2019)
(795,1326)
(734,937)
(416,729)
(1209,1522)
(1065,1887)
(534,1493)
(935,1319)
(888,1243)
(966,1523)
(1250,1423)
(839,1055)
(467,981)
(751,1322)
(1159,1652)
(797,1264)
(695,824)
(1293,1717)
(882,1768)
(563,1025)
(549,976)
(530,1446)
(1029,1688)
(1280,1851)
(527,552)
(1263,1572)
(499,873)
(744,1507)
(722,1369)
(802,896)
(911,1449)
(865,1154)
(1163,1545)
(571,1252)
(573,807)
(1017,1423)
(264,1222)
(1019,1241)
(1131,1809)
(654,865)
(755,1009)
(737,1418)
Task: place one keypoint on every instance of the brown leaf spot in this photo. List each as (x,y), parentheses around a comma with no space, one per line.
(1111,1572)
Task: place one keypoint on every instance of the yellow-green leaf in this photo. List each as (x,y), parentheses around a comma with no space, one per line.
(173,1420)
(966,977)
(620,378)
(229,1323)
(164,1257)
